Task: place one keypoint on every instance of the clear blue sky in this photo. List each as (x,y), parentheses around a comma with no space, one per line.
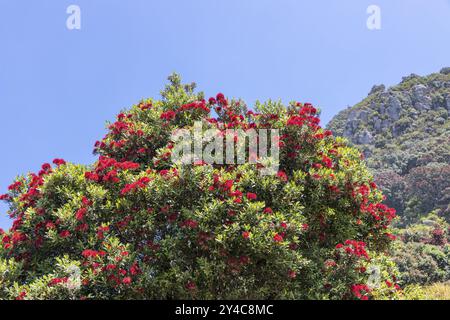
(58,87)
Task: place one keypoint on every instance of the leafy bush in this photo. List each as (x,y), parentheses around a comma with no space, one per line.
(136,226)
(422,253)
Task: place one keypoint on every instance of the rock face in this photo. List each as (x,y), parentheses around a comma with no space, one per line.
(421,99)
(404,131)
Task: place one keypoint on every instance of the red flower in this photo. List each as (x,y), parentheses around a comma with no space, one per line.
(231,213)
(268,210)
(245,234)
(221,99)
(295,121)
(244,259)
(135,269)
(50,225)
(64,234)
(191,285)
(292,274)
(327,162)
(46,167)
(190,224)
(277,238)
(126,280)
(15,186)
(82,227)
(354,248)
(390,236)
(4,197)
(88,253)
(228,185)
(236,193)
(86,201)
(18,237)
(80,214)
(251,196)
(283,176)
(21,295)
(168,115)
(56,281)
(360,291)
(6,239)
(59,162)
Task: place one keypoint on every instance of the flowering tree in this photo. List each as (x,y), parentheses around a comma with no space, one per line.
(136,226)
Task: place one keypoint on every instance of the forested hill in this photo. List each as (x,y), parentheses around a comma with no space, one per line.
(404,131)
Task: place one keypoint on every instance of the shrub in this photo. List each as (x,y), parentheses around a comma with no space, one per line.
(136,226)
(422,253)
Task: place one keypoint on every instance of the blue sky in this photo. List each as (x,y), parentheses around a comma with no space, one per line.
(59,86)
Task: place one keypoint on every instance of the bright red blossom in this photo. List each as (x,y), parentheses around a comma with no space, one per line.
(251,196)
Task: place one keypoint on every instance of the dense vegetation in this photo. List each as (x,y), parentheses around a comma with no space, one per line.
(422,252)
(134,225)
(404,131)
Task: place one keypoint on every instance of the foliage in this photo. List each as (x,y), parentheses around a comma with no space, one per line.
(422,252)
(135,226)
(437,291)
(404,132)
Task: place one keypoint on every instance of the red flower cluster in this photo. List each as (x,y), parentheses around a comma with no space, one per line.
(191,285)
(278,237)
(56,281)
(119,126)
(80,214)
(197,105)
(380,212)
(106,170)
(361,291)
(306,115)
(141,183)
(168,115)
(59,162)
(353,247)
(15,186)
(65,234)
(189,223)
(245,234)
(282,175)
(327,162)
(88,253)
(251,196)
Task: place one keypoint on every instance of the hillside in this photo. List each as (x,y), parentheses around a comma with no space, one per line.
(404,132)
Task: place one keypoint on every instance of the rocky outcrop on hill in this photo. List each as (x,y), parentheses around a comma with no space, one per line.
(404,131)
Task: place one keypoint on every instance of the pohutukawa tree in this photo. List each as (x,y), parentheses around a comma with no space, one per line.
(136,226)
